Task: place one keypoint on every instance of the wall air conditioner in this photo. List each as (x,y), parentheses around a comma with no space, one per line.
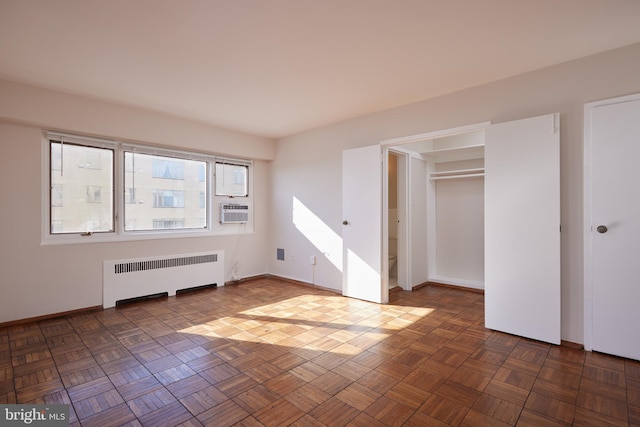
(234,213)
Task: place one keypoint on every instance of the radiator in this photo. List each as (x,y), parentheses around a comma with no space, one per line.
(140,277)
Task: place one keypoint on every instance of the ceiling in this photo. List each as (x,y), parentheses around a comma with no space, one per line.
(278,67)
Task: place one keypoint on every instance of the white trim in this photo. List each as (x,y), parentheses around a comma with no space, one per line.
(436,134)
(45,196)
(432,226)
(384,262)
(165,152)
(588,210)
(82,140)
(588,278)
(409,153)
(233,161)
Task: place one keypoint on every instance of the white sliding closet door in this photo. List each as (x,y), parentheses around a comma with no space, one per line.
(522,228)
(362,225)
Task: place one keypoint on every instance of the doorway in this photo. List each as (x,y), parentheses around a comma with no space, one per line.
(398,220)
(444,201)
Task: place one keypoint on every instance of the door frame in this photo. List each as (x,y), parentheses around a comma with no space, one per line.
(404,241)
(588,212)
(395,145)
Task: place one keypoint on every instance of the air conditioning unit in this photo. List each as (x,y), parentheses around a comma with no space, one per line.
(233,213)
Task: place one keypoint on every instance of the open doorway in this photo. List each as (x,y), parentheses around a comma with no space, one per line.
(435,208)
(404,218)
(397,221)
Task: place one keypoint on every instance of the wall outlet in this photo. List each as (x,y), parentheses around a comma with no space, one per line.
(312,260)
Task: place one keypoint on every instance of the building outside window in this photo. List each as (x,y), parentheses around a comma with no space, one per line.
(81,197)
(167,183)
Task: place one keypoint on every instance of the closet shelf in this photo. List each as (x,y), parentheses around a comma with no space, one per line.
(453,149)
(469,175)
(457,174)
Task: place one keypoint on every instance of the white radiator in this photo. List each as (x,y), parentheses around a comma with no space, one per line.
(133,278)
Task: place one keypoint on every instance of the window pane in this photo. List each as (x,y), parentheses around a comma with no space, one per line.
(168,169)
(163,193)
(231,180)
(81,191)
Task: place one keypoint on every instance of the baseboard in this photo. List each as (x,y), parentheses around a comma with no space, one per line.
(419,285)
(395,290)
(246,279)
(460,283)
(572,345)
(453,286)
(51,316)
(267,276)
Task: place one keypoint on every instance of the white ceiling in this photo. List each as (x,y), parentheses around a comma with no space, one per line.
(277,67)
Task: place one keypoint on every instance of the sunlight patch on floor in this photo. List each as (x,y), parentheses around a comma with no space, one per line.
(311,322)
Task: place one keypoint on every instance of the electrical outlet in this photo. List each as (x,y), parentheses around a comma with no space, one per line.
(312,260)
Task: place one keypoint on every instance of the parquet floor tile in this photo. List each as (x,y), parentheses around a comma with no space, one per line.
(269,352)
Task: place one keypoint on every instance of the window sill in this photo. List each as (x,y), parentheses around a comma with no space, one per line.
(138,236)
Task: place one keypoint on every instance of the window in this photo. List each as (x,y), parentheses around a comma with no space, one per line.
(80,197)
(231,179)
(168,223)
(162,182)
(93,194)
(168,169)
(168,199)
(118,190)
(56,195)
(130,195)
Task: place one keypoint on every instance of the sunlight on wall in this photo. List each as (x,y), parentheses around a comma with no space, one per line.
(327,241)
(310,328)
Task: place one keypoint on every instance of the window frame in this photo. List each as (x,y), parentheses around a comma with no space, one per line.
(49,188)
(212,201)
(231,162)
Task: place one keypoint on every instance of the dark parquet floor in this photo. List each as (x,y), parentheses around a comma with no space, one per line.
(272,353)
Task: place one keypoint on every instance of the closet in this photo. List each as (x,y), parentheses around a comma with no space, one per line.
(493,218)
(455,203)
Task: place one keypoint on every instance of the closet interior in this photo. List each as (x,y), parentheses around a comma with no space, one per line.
(454,209)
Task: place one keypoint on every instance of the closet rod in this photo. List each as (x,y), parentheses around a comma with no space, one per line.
(469,175)
(458,171)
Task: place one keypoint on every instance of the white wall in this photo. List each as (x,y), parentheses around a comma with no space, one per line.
(66,112)
(309,171)
(460,227)
(38,280)
(308,165)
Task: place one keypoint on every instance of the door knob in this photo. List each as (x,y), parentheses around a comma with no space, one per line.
(602,229)
(345,222)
